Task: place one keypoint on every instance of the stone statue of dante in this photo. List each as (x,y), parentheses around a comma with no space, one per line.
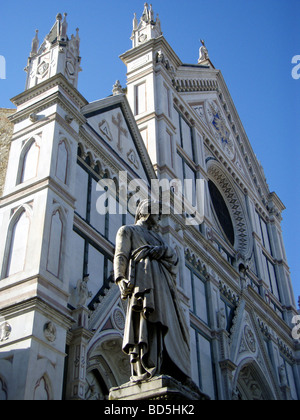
(156,335)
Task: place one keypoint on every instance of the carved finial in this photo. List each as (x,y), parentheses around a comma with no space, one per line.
(135,23)
(77,40)
(145,15)
(35,44)
(148,28)
(64,28)
(158,24)
(58,25)
(117,88)
(151,15)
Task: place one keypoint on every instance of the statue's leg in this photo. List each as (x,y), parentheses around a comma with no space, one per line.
(138,373)
(133,373)
(139,368)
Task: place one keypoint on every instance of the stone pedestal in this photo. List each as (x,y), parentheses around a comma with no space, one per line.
(158,388)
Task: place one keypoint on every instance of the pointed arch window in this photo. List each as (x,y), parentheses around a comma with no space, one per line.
(18,239)
(29,161)
(55,244)
(62,161)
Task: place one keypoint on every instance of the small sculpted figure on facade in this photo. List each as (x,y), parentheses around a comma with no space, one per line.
(282,376)
(156,335)
(203,52)
(82,292)
(5,331)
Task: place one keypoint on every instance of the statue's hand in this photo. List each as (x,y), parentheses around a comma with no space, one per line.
(156,252)
(126,288)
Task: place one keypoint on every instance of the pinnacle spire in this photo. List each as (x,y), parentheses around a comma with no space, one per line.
(149,27)
(35,44)
(57,54)
(58,31)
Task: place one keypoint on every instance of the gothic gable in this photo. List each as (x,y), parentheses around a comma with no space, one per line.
(205,91)
(248,353)
(111,121)
(223,133)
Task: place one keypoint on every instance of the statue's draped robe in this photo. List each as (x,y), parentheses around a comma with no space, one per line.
(154,323)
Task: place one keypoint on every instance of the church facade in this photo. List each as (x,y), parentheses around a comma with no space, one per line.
(74,174)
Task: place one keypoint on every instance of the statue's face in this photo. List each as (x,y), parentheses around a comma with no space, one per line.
(153,219)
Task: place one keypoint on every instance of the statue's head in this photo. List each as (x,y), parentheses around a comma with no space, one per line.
(148,212)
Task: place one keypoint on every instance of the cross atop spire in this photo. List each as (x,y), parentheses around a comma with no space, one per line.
(148,28)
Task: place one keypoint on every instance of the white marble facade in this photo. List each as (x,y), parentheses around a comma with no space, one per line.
(177,121)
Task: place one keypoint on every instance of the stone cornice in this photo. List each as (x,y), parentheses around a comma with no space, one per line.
(59,313)
(152,44)
(265,313)
(22,191)
(194,84)
(275,206)
(57,80)
(56,98)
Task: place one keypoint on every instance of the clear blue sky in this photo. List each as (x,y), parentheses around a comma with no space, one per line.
(251,41)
